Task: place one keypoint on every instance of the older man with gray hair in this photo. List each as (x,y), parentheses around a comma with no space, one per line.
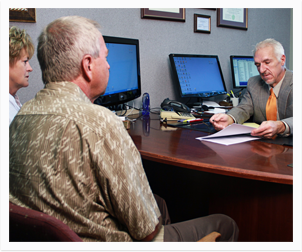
(269,96)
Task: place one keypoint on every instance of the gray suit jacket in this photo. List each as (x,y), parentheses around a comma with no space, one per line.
(254,101)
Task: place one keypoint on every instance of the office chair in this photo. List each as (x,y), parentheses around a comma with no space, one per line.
(27,225)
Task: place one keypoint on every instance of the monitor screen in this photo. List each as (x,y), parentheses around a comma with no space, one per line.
(242,68)
(197,75)
(124,79)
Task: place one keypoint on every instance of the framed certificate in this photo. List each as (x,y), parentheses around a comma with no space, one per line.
(22,15)
(174,14)
(232,18)
(202,23)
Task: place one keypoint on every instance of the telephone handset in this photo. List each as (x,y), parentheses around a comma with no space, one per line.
(170,105)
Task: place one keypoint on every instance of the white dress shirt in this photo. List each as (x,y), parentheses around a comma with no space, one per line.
(14,107)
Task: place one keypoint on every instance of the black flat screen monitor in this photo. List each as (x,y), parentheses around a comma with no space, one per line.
(197,75)
(242,68)
(124,79)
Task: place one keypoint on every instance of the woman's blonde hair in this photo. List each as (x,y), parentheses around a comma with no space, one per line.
(18,40)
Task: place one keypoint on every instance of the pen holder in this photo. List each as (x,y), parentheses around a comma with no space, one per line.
(235,101)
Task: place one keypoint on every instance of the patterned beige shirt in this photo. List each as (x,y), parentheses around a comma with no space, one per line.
(75,161)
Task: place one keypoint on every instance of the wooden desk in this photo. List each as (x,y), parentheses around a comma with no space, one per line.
(251,182)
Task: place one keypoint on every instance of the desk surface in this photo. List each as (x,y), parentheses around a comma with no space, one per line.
(252,160)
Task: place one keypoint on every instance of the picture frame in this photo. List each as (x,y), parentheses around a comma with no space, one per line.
(213,9)
(22,15)
(172,14)
(236,18)
(202,23)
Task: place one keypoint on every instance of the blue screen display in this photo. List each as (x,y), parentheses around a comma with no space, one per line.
(198,75)
(243,68)
(123,75)
(124,82)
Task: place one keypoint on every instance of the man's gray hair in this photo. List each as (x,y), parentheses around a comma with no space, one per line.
(62,45)
(278,48)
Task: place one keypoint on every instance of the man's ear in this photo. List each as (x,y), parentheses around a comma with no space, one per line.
(87,67)
(283,58)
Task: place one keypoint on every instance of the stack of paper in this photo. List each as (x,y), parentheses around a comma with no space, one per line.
(232,134)
(216,111)
(216,107)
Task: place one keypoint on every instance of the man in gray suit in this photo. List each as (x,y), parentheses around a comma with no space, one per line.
(269,58)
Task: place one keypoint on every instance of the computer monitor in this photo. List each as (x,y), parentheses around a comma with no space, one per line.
(197,76)
(124,79)
(242,68)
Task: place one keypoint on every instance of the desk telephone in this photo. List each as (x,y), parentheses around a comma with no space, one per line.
(174,110)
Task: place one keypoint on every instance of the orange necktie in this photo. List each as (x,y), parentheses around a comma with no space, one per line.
(271,107)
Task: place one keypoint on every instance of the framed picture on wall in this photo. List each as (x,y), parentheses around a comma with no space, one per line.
(232,18)
(202,23)
(174,14)
(22,15)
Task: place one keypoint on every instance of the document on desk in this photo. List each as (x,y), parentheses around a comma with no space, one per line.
(216,107)
(216,111)
(232,134)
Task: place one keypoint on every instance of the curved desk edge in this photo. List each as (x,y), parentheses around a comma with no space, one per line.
(222,170)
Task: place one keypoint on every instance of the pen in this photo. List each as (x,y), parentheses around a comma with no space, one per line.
(232,93)
(193,120)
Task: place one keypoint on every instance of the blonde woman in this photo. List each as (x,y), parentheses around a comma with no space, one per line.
(21,49)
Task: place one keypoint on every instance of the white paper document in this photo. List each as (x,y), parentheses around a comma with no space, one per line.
(211,103)
(232,134)
(216,111)
(215,106)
